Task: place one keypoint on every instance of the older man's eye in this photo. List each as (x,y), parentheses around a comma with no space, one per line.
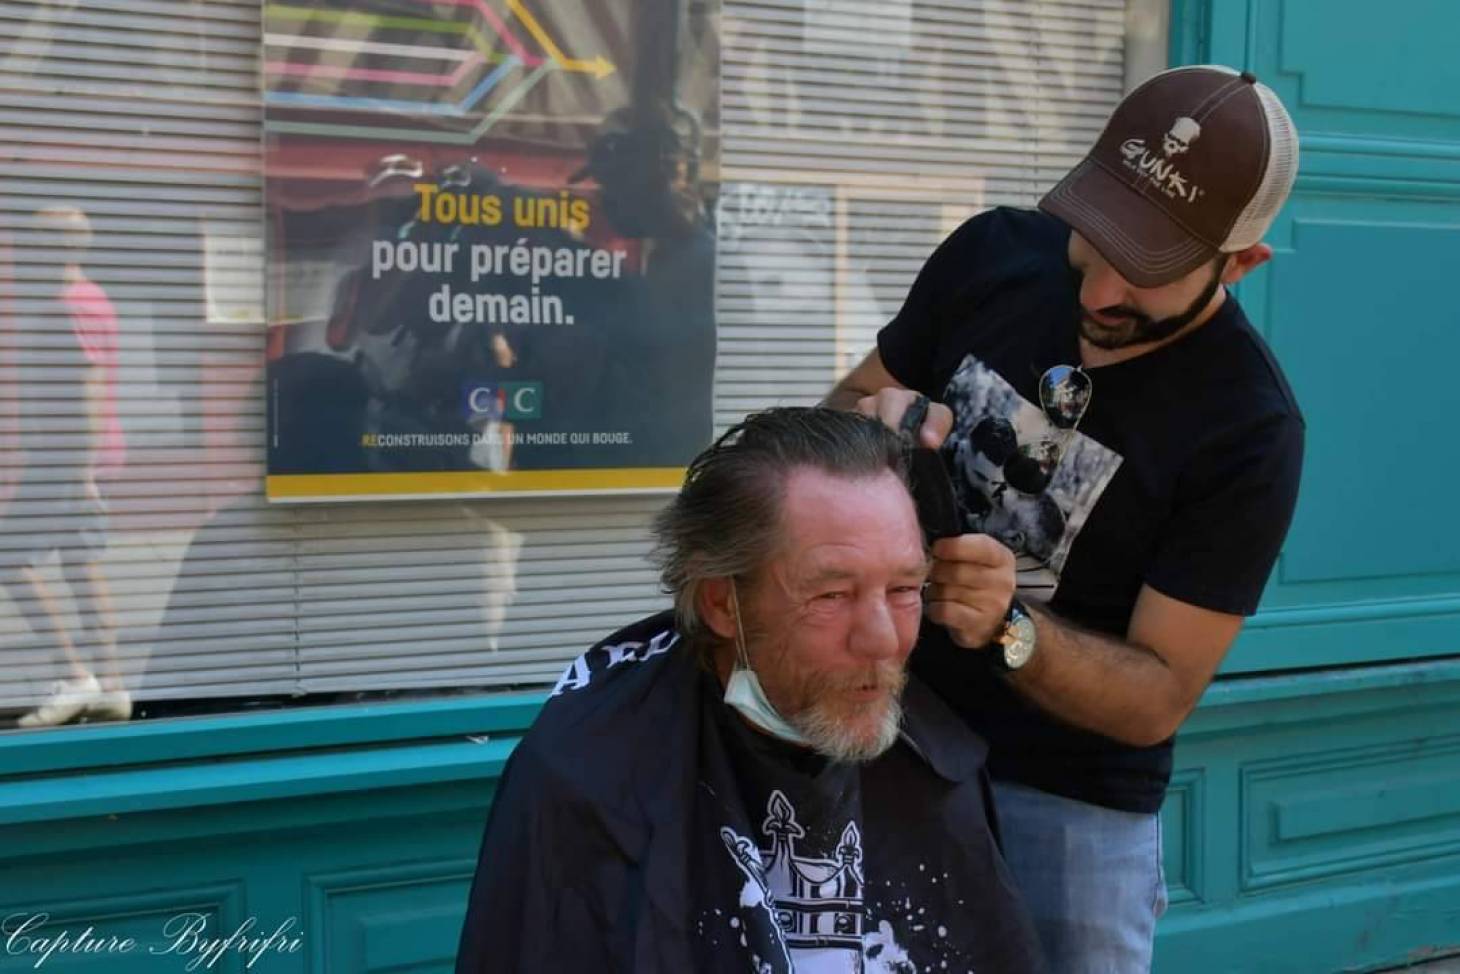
(905,596)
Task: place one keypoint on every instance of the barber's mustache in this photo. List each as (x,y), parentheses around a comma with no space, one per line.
(1116,312)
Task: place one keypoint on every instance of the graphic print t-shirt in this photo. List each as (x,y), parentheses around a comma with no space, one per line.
(839,862)
(1181,474)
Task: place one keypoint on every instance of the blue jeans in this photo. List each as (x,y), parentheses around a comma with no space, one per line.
(1090,875)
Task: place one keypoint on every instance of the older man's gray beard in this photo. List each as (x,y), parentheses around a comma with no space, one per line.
(857,737)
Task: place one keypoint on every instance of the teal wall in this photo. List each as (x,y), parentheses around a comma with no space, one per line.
(1313,825)
(357,825)
(1314,820)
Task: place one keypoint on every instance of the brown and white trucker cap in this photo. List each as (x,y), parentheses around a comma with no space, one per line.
(1194,162)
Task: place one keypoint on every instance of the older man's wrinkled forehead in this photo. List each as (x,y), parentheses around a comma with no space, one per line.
(837,529)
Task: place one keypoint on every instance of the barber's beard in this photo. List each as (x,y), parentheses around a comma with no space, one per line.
(847,730)
(1138,328)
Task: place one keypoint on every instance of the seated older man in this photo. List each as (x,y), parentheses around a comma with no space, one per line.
(752,782)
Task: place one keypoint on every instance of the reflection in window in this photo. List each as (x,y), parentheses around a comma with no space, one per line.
(144,573)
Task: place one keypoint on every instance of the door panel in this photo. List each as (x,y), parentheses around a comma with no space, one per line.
(1356,306)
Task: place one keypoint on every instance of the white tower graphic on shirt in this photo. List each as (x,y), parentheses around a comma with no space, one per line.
(816,901)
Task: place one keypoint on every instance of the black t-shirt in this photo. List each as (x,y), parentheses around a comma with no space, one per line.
(1181,474)
(863,866)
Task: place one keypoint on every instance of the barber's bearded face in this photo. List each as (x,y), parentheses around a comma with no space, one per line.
(830,623)
(1116,314)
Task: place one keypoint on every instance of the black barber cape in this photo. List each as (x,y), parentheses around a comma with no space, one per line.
(640,826)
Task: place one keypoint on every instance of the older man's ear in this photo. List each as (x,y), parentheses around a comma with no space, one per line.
(714,603)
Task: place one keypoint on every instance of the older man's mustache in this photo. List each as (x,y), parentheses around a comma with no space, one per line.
(886,676)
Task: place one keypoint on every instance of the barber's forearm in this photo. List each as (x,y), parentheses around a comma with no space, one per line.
(868,378)
(1101,683)
(843,397)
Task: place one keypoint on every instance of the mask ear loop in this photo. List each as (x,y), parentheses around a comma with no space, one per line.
(741,656)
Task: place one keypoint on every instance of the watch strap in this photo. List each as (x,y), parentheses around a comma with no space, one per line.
(998,656)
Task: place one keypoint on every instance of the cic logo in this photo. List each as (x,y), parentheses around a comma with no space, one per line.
(503,400)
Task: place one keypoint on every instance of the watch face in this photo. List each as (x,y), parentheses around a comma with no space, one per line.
(1018,641)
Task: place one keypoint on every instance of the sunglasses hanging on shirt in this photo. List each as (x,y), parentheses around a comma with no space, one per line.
(1064,395)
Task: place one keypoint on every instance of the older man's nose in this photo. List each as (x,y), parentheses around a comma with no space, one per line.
(874,633)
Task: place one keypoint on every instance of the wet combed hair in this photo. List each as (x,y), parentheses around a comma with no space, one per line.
(726,521)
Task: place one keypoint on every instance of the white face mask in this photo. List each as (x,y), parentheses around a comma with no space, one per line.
(743,690)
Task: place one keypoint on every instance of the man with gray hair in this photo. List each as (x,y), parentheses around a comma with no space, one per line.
(751,781)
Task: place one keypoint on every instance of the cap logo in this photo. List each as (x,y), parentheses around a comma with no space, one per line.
(1184,131)
(1160,167)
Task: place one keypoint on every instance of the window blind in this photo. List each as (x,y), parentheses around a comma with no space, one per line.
(854,135)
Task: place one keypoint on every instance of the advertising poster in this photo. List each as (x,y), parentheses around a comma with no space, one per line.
(490,261)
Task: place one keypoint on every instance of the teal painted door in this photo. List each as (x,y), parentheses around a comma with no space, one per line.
(1360,306)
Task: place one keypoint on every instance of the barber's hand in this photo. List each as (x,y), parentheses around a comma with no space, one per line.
(972,582)
(890,403)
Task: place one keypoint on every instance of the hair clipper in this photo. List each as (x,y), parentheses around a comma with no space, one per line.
(932,490)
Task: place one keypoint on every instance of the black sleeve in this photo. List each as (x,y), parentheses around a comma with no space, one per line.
(1233,510)
(907,343)
(509,901)
(526,913)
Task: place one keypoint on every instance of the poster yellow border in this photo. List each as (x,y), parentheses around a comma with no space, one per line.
(304,488)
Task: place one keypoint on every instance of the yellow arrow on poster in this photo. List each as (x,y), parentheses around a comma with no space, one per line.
(599,67)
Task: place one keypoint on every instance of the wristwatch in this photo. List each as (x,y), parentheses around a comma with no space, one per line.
(1014,646)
